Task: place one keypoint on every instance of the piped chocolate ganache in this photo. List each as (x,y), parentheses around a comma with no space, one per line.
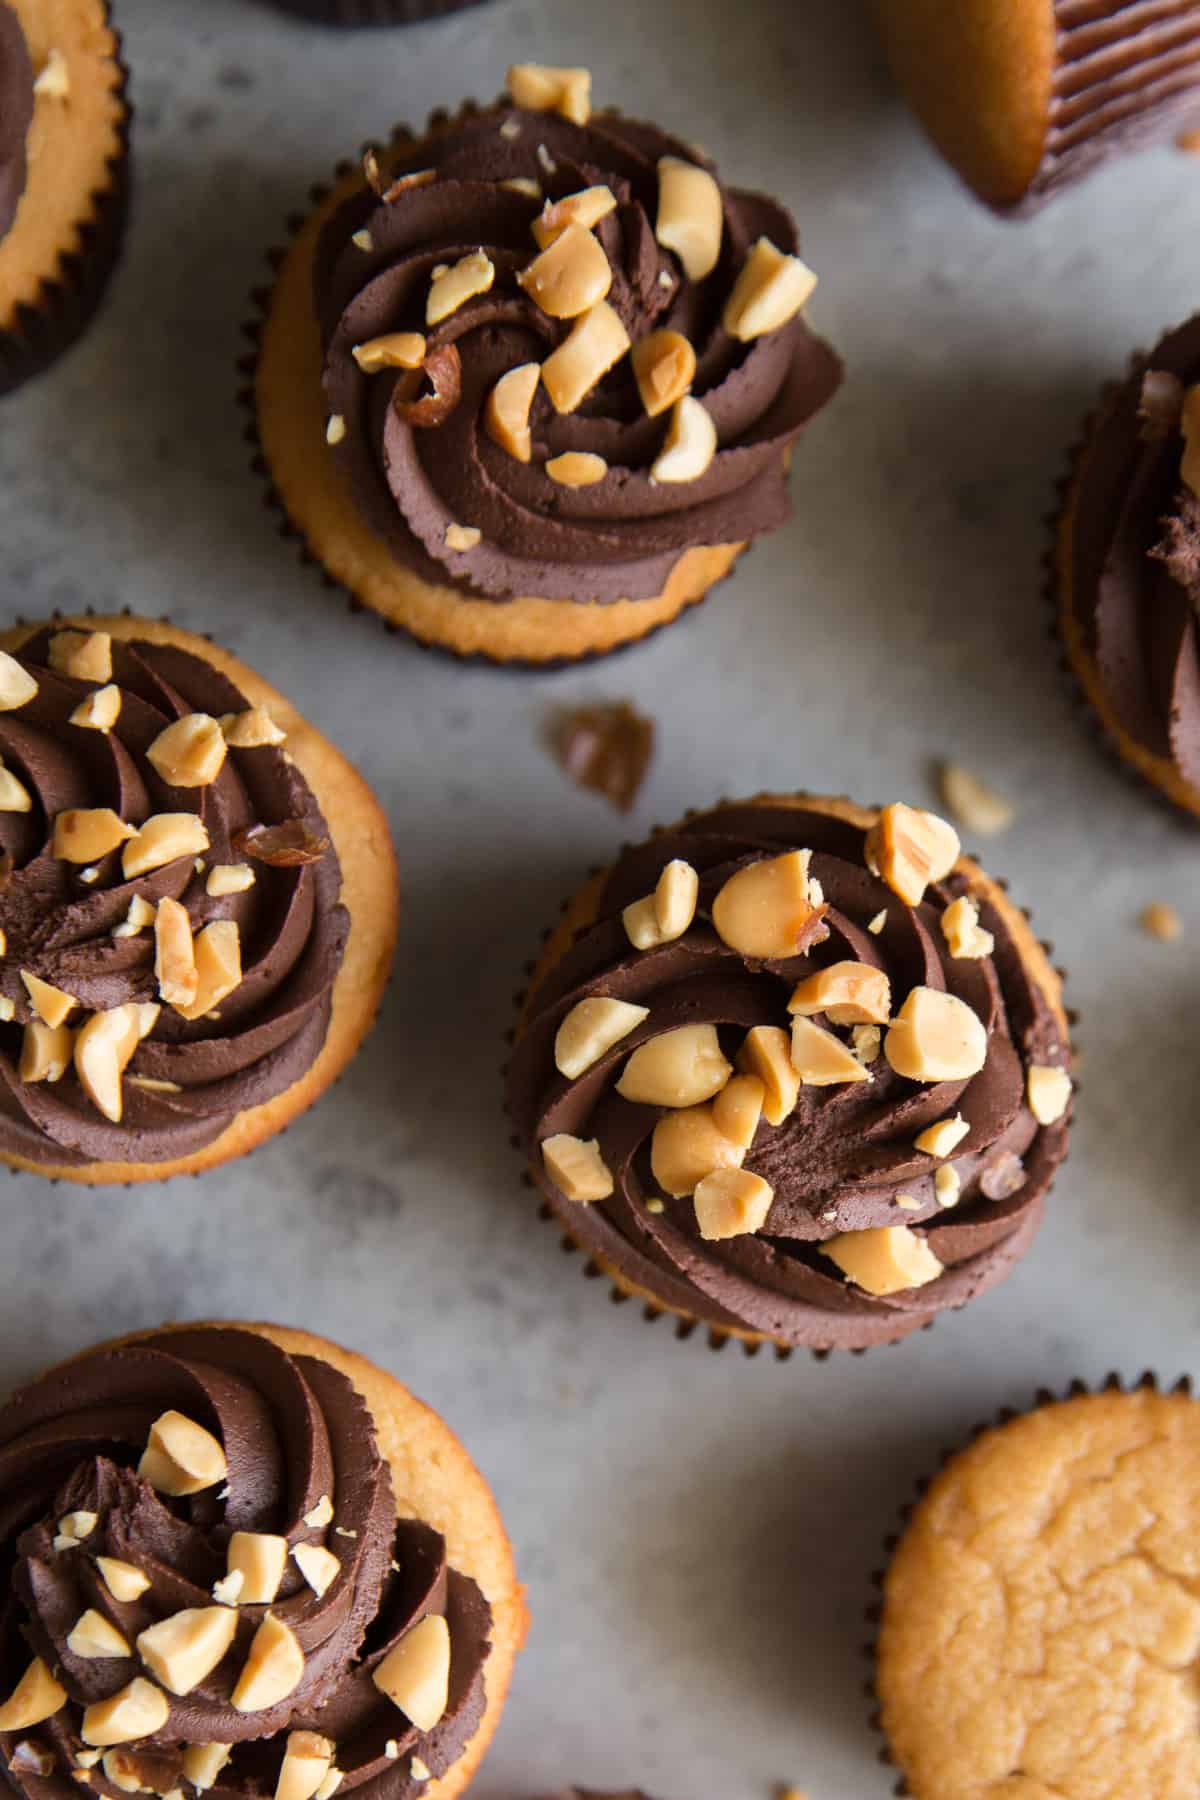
(169,909)
(1135,592)
(796,1077)
(208,1588)
(16,113)
(559,353)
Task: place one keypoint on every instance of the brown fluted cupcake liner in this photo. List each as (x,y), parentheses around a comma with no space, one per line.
(873,1616)
(68,299)
(592,1269)
(1151,776)
(403,137)
(352,13)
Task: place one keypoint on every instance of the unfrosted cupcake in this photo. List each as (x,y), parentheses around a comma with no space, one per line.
(63,150)
(797,1071)
(528,384)
(1127,566)
(197,904)
(1024,97)
(242,1561)
(1040,1618)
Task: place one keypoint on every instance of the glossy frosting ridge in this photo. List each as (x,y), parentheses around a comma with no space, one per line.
(16,112)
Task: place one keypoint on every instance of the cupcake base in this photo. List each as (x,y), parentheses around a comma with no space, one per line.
(290,431)
(581,911)
(56,258)
(434,1480)
(1159,772)
(370,894)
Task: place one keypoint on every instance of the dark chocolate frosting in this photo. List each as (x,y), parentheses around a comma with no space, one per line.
(621,537)
(295,1434)
(16,111)
(60,926)
(846,1153)
(1135,570)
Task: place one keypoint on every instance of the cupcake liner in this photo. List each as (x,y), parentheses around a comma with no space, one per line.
(1081,700)
(873,1614)
(247,366)
(591,1269)
(69,299)
(352,13)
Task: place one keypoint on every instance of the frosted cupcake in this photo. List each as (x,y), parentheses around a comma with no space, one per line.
(796,1071)
(528,384)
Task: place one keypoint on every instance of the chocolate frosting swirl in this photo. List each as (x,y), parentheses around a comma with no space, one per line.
(294,1431)
(621,537)
(292,929)
(16,112)
(1135,589)
(846,1153)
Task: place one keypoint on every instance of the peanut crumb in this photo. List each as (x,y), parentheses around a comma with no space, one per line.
(1160,920)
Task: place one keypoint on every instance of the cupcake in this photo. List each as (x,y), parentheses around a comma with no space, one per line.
(372,12)
(1040,1619)
(242,1560)
(1026,97)
(197,904)
(797,1071)
(64,126)
(527,385)
(1127,566)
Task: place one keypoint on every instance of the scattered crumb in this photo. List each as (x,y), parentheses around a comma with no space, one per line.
(972,802)
(790,1793)
(605,747)
(1189,141)
(1160,920)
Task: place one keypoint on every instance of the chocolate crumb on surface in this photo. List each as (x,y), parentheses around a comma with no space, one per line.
(606,747)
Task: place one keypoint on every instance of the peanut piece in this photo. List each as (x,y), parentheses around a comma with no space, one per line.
(964,935)
(737,1109)
(45,1051)
(664,367)
(181,1457)
(36,1697)
(1048,1091)
(92,1637)
(104,1045)
(944,1137)
(85,834)
(463,537)
(415,1675)
(14,795)
(1162,921)
(218,952)
(227,1591)
(190,753)
(667,913)
(273,1668)
(50,1003)
(763,908)
(909,849)
(174,957)
(140,914)
(506,415)
(570,276)
(822,1060)
(539,87)
(590,1030)
(687,1145)
(678,1068)
(470,275)
(250,730)
(78,1526)
(577,468)
(765,1052)
(585,208)
(689,216)
(202,1763)
(124,1771)
(100,711)
(335,430)
(321,1513)
(138,1711)
(848,993)
(260,1557)
(17,686)
(936,1037)
(53,80)
(84,655)
(319,1567)
(974,804)
(689,446)
(576,1167)
(769,291)
(306,1763)
(883,1260)
(395,350)
(228,878)
(732,1203)
(947,1185)
(596,343)
(161,840)
(123,1581)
